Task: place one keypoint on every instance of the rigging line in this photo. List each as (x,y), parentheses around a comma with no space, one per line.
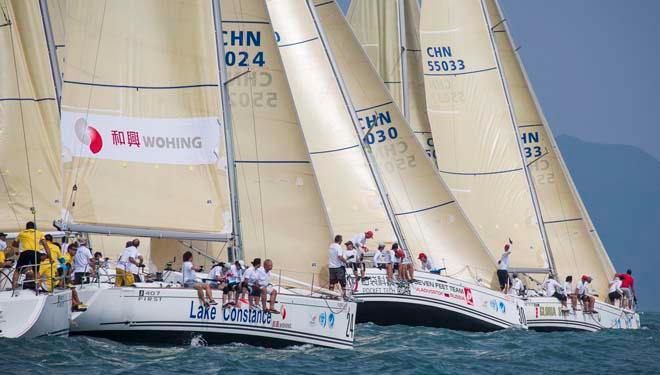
(251,78)
(25,143)
(562,221)
(296,43)
(25,99)
(424,209)
(373,106)
(89,103)
(326,3)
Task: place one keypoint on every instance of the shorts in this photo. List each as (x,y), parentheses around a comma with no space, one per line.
(381,266)
(559,296)
(583,297)
(255,291)
(614,296)
(338,275)
(27,258)
(395,267)
(627,292)
(503,277)
(354,266)
(79,276)
(230,287)
(123,278)
(191,284)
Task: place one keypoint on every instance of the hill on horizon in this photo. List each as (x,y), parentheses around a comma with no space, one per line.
(620,186)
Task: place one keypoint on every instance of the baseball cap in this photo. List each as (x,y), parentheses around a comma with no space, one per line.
(421,255)
(369,234)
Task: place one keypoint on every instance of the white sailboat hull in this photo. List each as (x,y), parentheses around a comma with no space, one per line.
(174,316)
(436,301)
(27,315)
(544,314)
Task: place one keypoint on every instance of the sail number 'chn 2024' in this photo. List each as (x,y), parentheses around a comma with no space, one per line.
(447,64)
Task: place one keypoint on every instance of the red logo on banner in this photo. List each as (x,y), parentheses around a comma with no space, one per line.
(88,135)
(468,296)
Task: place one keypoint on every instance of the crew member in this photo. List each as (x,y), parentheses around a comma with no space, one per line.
(554,289)
(517,287)
(569,291)
(263,280)
(379,260)
(360,244)
(190,280)
(503,267)
(584,294)
(29,242)
(336,269)
(628,288)
(83,263)
(615,292)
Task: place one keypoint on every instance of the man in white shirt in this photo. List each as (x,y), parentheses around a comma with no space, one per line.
(615,292)
(388,259)
(250,281)
(379,256)
(584,294)
(128,264)
(360,244)
(336,269)
(569,291)
(263,281)
(216,276)
(554,289)
(503,267)
(352,261)
(83,263)
(516,286)
(190,280)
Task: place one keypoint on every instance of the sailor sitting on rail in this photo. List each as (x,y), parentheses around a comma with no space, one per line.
(585,296)
(263,281)
(216,276)
(378,259)
(190,280)
(250,283)
(517,287)
(554,289)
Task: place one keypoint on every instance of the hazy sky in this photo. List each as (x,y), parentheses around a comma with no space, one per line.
(595,66)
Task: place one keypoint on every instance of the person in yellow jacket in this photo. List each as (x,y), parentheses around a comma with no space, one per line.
(29,242)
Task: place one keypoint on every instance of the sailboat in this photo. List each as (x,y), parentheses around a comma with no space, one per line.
(498,155)
(174,155)
(29,160)
(374,174)
(388,31)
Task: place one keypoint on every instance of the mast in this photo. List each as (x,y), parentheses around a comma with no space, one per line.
(236,251)
(52,54)
(530,181)
(401,12)
(356,124)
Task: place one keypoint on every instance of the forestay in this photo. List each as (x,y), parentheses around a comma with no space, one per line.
(281,213)
(476,141)
(574,242)
(429,218)
(141,122)
(376,25)
(29,126)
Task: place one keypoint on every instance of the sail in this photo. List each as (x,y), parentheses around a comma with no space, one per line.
(476,142)
(347,188)
(29,121)
(281,213)
(574,242)
(376,26)
(141,125)
(428,217)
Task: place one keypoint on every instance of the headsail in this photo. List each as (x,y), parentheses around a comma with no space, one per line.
(281,213)
(575,245)
(428,217)
(476,141)
(141,121)
(389,33)
(29,121)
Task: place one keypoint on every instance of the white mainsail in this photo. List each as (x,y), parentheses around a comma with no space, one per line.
(426,215)
(574,242)
(29,121)
(388,31)
(281,213)
(141,121)
(476,142)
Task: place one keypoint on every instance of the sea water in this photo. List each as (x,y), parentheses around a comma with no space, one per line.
(381,350)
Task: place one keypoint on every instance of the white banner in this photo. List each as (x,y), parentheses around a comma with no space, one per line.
(189,141)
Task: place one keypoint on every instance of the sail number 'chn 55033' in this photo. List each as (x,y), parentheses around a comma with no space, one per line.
(446,62)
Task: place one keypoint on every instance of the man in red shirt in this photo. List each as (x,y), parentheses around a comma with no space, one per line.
(628,288)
